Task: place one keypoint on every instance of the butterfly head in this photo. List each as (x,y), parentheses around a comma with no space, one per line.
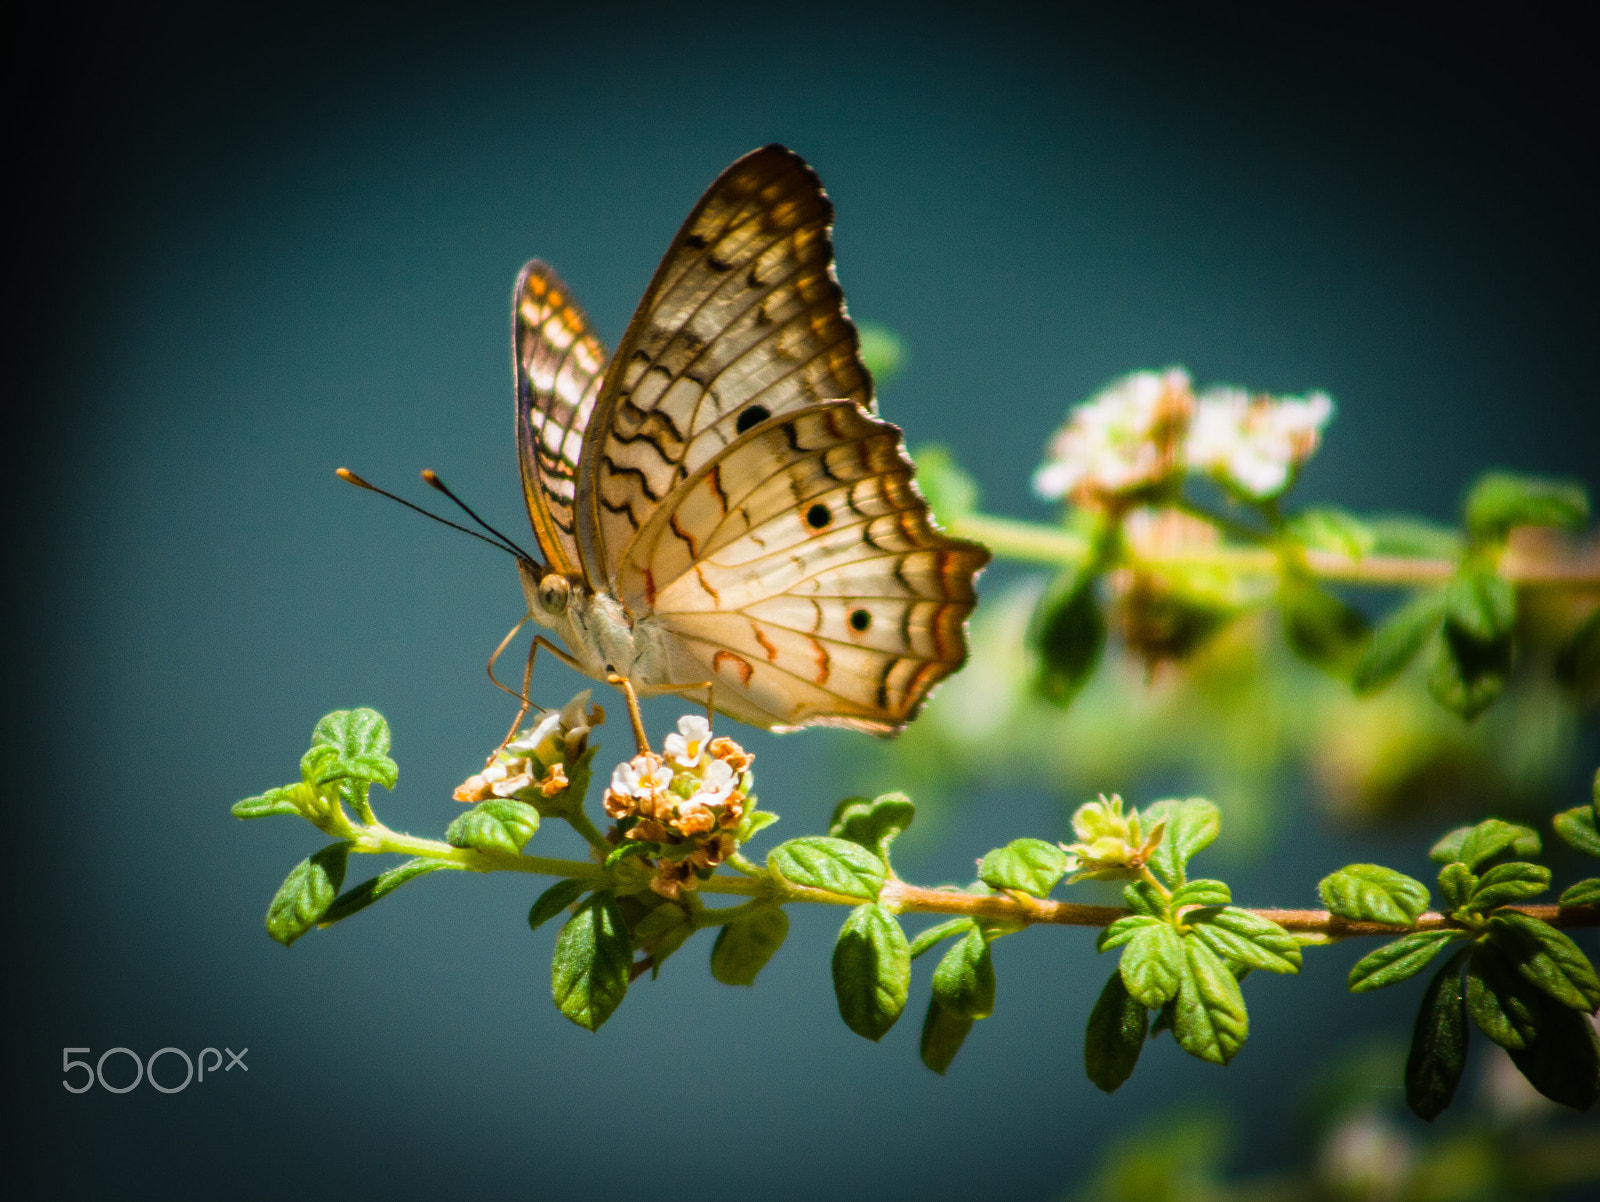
(546,590)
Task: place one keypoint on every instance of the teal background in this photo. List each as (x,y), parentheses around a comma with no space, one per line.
(256,247)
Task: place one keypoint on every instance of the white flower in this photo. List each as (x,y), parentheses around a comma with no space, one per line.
(1254,445)
(541,741)
(717,784)
(688,746)
(1123,439)
(640,777)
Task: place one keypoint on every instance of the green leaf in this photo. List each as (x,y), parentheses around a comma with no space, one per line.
(882,352)
(1467,675)
(833,865)
(632,849)
(1584,893)
(554,900)
(1068,633)
(1321,628)
(1500,501)
(1246,938)
(1564,1062)
(873,824)
(943,1034)
(273,801)
(593,960)
(871,971)
(1201,892)
(1152,964)
(1116,1033)
(1438,1043)
(306,893)
(1373,893)
(1507,883)
(1577,663)
(1124,929)
(964,981)
(1481,605)
(753,822)
(1475,845)
(1191,827)
(1547,958)
(1397,640)
(1143,899)
(929,939)
(360,740)
(1413,538)
(1332,530)
(951,492)
(354,900)
(1457,882)
(500,824)
(1209,1020)
(1395,962)
(1030,866)
(1499,1000)
(744,947)
(1577,828)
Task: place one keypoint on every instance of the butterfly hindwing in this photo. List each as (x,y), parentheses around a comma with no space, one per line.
(800,572)
(743,321)
(559,365)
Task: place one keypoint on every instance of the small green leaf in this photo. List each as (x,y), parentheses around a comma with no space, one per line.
(593,960)
(1321,628)
(1547,958)
(882,351)
(833,865)
(1152,964)
(1209,1020)
(273,801)
(943,1034)
(1564,1062)
(1584,893)
(874,824)
(1124,929)
(744,947)
(1468,676)
(753,822)
(1373,893)
(951,492)
(1191,827)
(1481,605)
(1068,633)
(1457,882)
(554,900)
(354,900)
(1332,530)
(871,970)
(631,849)
(1143,899)
(929,939)
(306,893)
(1245,938)
(360,740)
(1475,845)
(1201,892)
(1116,1033)
(964,981)
(500,824)
(1395,962)
(1030,866)
(1413,538)
(1397,640)
(1578,830)
(1507,883)
(1500,501)
(1438,1043)
(661,932)
(1498,999)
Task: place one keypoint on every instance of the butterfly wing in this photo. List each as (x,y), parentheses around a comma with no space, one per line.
(559,364)
(800,571)
(743,321)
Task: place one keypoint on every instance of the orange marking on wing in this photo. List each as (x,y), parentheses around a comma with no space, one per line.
(766,644)
(741,666)
(694,551)
(701,576)
(650,587)
(824,664)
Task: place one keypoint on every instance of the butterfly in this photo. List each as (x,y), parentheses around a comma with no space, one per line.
(718,506)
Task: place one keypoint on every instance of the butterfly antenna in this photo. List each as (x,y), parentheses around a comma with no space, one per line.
(504,543)
(431,478)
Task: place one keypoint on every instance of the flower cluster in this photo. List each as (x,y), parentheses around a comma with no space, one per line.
(1110,844)
(532,766)
(687,803)
(1145,429)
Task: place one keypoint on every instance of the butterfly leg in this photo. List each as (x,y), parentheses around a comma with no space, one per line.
(626,685)
(685,690)
(527,677)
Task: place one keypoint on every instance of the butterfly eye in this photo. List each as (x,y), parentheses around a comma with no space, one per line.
(553,592)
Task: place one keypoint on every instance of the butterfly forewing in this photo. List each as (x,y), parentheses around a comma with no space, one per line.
(799,571)
(743,321)
(559,364)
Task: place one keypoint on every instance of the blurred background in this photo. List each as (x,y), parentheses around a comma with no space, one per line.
(253,245)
